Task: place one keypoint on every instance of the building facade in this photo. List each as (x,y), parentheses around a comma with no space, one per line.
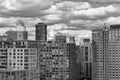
(14,75)
(70,39)
(79,66)
(106,56)
(60,38)
(17,35)
(41,32)
(86,58)
(57,61)
(19,55)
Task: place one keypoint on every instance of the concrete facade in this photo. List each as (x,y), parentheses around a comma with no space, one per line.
(106,56)
(57,61)
(19,55)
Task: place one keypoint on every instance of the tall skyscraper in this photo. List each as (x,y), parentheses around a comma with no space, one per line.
(41,32)
(106,53)
(79,66)
(57,61)
(85,58)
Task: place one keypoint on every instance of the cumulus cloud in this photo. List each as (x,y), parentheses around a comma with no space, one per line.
(60,12)
(24,8)
(105,1)
(112,20)
(101,12)
(53,17)
(26,4)
(68,10)
(70,5)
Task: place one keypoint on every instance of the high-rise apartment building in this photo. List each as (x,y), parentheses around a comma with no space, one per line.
(41,32)
(19,56)
(106,53)
(79,66)
(57,61)
(85,58)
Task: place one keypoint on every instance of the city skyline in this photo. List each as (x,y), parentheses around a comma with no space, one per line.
(71,17)
(59,39)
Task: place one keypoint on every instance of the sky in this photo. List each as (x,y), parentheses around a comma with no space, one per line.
(70,17)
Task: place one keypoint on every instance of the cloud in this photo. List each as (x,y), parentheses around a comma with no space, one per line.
(70,5)
(112,20)
(66,11)
(26,4)
(101,12)
(24,8)
(106,1)
(52,17)
(60,12)
(53,10)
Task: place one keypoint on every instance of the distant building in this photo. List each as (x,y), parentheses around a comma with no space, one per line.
(17,35)
(60,38)
(57,61)
(22,35)
(106,53)
(11,35)
(70,39)
(41,32)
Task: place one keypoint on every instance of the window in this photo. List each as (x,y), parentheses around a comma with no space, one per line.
(10,53)
(20,35)
(21,57)
(14,57)
(14,50)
